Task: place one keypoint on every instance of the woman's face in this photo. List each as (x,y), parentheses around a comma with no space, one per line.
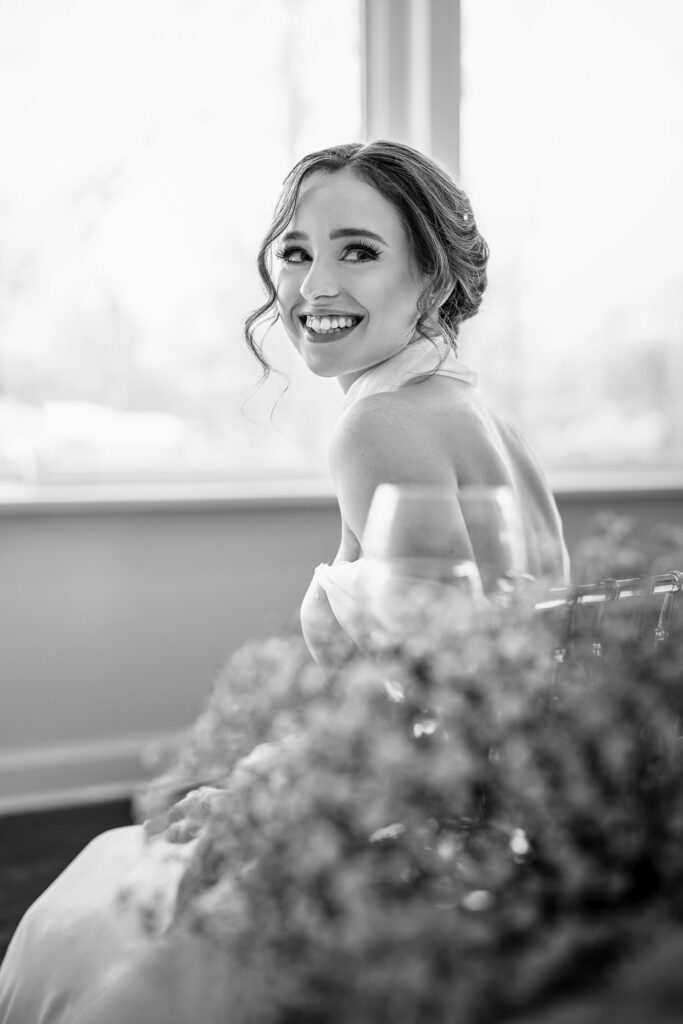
(347,285)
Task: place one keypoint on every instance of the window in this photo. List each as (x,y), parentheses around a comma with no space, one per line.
(144,144)
(571,149)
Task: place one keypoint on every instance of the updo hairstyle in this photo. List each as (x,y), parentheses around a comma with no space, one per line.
(436,214)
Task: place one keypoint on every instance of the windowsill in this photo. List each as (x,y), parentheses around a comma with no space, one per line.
(155,497)
(291,493)
(616,484)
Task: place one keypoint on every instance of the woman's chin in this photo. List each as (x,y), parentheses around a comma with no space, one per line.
(323,360)
(323,371)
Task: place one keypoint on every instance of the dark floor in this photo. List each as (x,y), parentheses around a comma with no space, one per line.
(35,847)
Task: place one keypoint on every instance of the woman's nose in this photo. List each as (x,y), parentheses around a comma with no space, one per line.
(320,281)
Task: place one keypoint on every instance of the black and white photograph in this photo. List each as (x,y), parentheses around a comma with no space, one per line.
(341,512)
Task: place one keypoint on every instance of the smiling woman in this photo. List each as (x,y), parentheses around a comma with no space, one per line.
(379,262)
(417,286)
(86,950)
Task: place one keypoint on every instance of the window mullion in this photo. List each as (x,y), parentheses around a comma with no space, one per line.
(412,74)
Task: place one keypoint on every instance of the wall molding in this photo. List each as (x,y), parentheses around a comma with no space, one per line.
(93,771)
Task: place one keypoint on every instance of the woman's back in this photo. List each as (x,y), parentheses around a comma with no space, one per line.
(487,451)
(450,423)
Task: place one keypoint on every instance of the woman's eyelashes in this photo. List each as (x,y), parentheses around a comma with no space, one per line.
(292,254)
(358,252)
(365,250)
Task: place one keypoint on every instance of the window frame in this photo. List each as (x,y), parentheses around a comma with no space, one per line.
(411,67)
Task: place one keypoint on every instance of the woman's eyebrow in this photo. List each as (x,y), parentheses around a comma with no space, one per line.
(355,232)
(301,236)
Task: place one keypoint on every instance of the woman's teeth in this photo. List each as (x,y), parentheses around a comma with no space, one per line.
(328,324)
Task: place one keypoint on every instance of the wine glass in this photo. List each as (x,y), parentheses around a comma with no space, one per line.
(494,526)
(419,574)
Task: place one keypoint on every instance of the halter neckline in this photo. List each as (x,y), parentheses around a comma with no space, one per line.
(417,358)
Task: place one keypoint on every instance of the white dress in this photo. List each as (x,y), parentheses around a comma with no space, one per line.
(82,955)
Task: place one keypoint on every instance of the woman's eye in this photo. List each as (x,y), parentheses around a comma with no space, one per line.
(292,254)
(361,253)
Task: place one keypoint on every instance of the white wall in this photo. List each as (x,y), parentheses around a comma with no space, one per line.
(113,625)
(114,622)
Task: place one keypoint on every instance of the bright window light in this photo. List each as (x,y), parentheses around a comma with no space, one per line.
(143,147)
(572,152)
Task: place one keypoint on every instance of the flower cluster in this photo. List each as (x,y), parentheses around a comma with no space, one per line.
(452,831)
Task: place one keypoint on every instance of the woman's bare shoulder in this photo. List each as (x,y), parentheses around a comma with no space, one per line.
(412,408)
(376,441)
(373,419)
(388,432)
